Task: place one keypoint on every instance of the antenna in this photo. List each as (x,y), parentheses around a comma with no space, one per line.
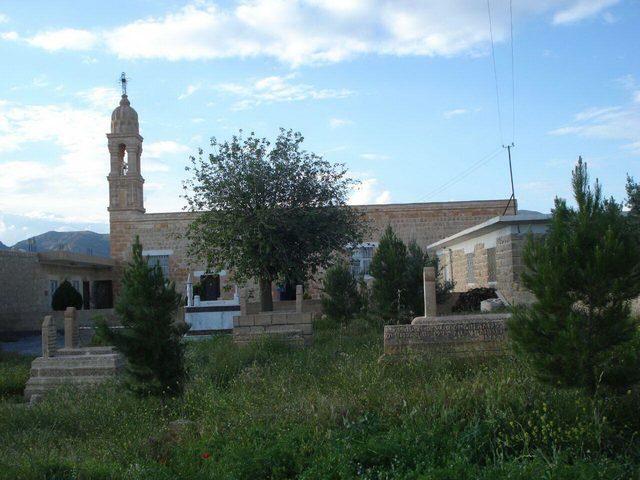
(123,82)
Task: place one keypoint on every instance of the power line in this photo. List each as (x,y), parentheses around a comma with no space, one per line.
(495,72)
(462,175)
(513,79)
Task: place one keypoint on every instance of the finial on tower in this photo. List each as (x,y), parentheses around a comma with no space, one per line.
(123,81)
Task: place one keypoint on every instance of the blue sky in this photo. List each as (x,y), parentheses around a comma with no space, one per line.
(403,92)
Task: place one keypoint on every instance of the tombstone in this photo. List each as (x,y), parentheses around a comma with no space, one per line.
(49,337)
(71,331)
(299,298)
(429,281)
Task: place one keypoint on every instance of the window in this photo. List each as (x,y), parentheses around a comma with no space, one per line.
(53,286)
(76,285)
(361,257)
(471,274)
(491,263)
(162,261)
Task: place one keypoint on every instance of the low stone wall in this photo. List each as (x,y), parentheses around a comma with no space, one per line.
(308,305)
(295,328)
(458,335)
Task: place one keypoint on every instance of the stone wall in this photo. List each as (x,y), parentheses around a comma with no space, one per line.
(25,296)
(509,267)
(424,222)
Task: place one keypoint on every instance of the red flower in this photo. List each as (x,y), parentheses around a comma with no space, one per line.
(206,455)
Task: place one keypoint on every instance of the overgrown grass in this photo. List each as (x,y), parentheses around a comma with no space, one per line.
(330,411)
(14,373)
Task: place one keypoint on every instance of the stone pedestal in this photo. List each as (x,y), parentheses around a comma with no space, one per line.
(429,284)
(49,337)
(71,331)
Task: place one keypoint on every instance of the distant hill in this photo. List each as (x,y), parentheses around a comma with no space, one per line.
(3,246)
(89,243)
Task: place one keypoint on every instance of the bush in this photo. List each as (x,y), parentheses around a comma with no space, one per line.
(66,296)
(150,340)
(341,300)
(586,269)
(470,300)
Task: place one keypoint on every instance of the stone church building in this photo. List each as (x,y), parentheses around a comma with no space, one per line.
(160,232)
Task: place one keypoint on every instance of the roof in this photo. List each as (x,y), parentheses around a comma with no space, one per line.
(490,225)
(71,259)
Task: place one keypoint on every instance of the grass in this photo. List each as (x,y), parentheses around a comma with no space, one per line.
(14,373)
(332,411)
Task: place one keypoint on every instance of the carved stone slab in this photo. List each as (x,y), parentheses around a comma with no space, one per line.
(461,335)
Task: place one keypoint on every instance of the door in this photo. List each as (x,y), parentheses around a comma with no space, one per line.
(86,295)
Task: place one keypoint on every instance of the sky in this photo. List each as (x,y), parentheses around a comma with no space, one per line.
(402,92)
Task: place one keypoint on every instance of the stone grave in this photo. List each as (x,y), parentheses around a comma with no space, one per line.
(458,335)
(293,326)
(70,365)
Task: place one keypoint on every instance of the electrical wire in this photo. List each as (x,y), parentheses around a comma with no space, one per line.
(513,79)
(495,73)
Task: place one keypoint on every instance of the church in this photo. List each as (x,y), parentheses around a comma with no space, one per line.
(160,233)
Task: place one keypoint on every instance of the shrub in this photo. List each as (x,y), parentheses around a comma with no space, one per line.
(579,332)
(388,268)
(341,300)
(151,340)
(66,296)
(470,300)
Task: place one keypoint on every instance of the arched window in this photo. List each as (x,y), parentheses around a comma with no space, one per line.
(123,162)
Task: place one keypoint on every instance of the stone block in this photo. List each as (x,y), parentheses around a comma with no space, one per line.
(263,318)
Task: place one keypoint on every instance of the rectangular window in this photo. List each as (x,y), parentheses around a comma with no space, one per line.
(162,261)
(76,285)
(491,263)
(53,286)
(471,274)
(361,257)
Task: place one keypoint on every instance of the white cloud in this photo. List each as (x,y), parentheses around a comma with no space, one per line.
(164,147)
(106,98)
(455,113)
(610,123)
(65,39)
(581,10)
(374,156)
(369,192)
(277,89)
(339,122)
(191,89)
(11,36)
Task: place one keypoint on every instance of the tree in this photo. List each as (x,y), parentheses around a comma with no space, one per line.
(633,202)
(66,296)
(417,259)
(151,339)
(389,271)
(583,272)
(341,299)
(268,212)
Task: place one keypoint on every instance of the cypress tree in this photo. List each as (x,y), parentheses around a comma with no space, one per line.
(583,272)
(66,296)
(341,299)
(150,340)
(388,267)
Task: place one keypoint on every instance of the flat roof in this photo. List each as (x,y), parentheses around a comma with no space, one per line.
(72,259)
(492,224)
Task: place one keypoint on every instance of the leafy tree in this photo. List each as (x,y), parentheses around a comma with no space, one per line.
(583,272)
(66,296)
(417,259)
(341,299)
(389,271)
(268,212)
(151,339)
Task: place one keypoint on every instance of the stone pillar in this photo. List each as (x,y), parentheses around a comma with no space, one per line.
(299,297)
(49,337)
(429,276)
(71,332)
(243,301)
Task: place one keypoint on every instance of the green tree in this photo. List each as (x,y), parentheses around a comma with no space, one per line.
(633,202)
(66,296)
(341,299)
(268,212)
(389,271)
(151,340)
(583,272)
(417,259)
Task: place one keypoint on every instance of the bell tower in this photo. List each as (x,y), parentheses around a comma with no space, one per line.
(125,149)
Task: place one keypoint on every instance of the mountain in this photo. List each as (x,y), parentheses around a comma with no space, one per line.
(3,246)
(89,243)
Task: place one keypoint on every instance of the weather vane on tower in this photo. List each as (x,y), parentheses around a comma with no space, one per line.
(123,81)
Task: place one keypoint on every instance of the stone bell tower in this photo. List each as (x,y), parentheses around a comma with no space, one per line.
(125,149)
